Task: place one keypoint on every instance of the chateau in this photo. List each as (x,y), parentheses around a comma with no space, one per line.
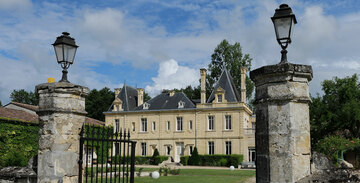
(175,124)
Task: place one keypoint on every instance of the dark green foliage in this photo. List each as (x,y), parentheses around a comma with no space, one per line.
(0,103)
(230,56)
(18,142)
(194,158)
(146,97)
(332,146)
(97,102)
(215,160)
(25,97)
(155,159)
(337,111)
(184,160)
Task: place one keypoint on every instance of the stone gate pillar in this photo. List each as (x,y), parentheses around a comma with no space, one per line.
(282,122)
(61,115)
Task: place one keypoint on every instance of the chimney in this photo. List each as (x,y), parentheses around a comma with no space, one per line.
(140,97)
(172,93)
(203,84)
(117,91)
(243,85)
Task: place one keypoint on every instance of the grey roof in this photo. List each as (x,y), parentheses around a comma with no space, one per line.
(128,95)
(165,101)
(226,82)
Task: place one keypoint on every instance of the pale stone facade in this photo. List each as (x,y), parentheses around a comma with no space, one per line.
(174,124)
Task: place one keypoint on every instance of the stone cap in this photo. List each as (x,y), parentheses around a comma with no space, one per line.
(298,70)
(62,87)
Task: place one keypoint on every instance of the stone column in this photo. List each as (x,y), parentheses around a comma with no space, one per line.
(282,122)
(61,115)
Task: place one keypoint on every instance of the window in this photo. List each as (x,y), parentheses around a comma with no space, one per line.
(133,126)
(168,150)
(117,148)
(153,126)
(228,147)
(117,107)
(219,98)
(179,123)
(253,125)
(146,105)
(227,122)
(181,104)
(117,125)
(168,125)
(190,150)
(143,149)
(211,148)
(211,122)
(190,124)
(143,125)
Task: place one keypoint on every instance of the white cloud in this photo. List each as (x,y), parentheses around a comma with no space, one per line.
(15,5)
(171,75)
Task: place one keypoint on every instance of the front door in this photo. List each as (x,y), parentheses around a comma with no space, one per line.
(179,151)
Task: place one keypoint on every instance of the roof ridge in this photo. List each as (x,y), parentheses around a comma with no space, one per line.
(126,98)
(186,97)
(216,85)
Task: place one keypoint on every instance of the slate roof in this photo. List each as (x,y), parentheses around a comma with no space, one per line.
(165,101)
(226,82)
(128,95)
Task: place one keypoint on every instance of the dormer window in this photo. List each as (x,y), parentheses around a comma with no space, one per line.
(146,105)
(181,104)
(219,98)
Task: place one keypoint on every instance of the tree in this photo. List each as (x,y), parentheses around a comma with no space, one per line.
(338,110)
(194,159)
(231,57)
(97,102)
(189,91)
(146,97)
(25,97)
(155,159)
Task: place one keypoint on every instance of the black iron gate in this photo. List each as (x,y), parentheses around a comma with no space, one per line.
(107,155)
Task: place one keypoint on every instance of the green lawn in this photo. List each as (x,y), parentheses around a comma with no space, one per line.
(196,176)
(202,176)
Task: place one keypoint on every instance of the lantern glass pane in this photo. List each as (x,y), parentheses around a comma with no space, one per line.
(59,52)
(69,53)
(282,26)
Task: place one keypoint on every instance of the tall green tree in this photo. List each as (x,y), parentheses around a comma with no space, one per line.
(97,102)
(338,110)
(231,57)
(25,97)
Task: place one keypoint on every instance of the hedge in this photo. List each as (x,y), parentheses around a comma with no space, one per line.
(143,160)
(18,142)
(215,160)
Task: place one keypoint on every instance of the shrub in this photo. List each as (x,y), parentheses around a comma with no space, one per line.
(332,146)
(184,160)
(235,160)
(194,158)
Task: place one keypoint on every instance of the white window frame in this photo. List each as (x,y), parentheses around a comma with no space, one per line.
(143,124)
(228,122)
(117,125)
(228,147)
(211,123)
(211,147)
(220,98)
(143,148)
(179,123)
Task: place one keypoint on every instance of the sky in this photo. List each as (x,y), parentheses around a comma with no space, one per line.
(162,44)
